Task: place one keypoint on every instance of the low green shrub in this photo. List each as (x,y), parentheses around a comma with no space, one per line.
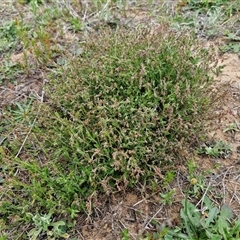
(117,114)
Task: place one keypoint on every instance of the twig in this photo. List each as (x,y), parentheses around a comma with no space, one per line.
(201,200)
(34,121)
(223,184)
(179,184)
(79,233)
(153,216)
(126,228)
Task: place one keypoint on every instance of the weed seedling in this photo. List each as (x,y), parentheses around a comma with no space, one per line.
(232,127)
(21,113)
(196,180)
(166,198)
(43,224)
(206,223)
(125,235)
(216,149)
(168,178)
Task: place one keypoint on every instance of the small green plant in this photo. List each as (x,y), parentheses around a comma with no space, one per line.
(208,18)
(166,198)
(196,180)
(76,24)
(233,44)
(205,4)
(21,112)
(232,127)
(125,235)
(9,72)
(8,35)
(37,39)
(3,237)
(44,224)
(197,186)
(31,1)
(206,223)
(216,149)
(168,177)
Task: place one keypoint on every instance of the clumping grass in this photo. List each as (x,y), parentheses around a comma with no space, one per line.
(116,114)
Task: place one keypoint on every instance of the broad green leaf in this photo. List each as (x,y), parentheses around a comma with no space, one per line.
(33,234)
(212,215)
(191,218)
(226,212)
(172,234)
(236,48)
(207,202)
(59,227)
(2,180)
(223,223)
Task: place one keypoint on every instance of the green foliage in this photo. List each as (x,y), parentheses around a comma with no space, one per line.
(118,113)
(232,45)
(76,24)
(125,235)
(232,127)
(9,72)
(3,237)
(124,106)
(205,4)
(21,112)
(208,18)
(7,35)
(43,224)
(166,198)
(216,149)
(31,1)
(8,40)
(169,176)
(196,180)
(206,223)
